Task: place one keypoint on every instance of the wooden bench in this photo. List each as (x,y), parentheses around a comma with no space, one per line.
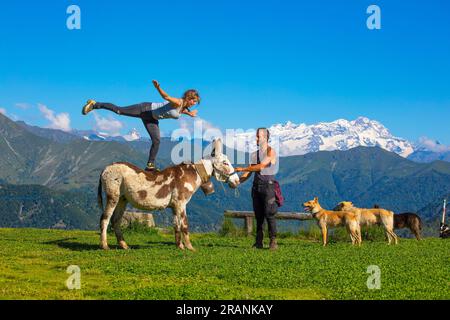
(248,217)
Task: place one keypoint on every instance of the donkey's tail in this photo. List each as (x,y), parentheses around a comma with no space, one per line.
(99,193)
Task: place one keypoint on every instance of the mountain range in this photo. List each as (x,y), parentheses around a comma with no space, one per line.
(298,139)
(40,167)
(422,153)
(90,135)
(292,139)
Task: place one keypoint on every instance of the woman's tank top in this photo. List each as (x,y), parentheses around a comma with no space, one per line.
(164,110)
(264,175)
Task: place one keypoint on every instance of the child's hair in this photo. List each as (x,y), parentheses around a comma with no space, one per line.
(190,94)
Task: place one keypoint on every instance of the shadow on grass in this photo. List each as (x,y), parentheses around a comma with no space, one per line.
(69,243)
(197,243)
(72,244)
(224,245)
(165,243)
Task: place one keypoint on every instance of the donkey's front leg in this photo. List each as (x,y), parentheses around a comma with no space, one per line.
(185,229)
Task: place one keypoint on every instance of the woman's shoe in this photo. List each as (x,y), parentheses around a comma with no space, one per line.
(273,244)
(258,246)
(151,167)
(88,107)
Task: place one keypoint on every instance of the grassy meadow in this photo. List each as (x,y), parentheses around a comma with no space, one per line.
(33,265)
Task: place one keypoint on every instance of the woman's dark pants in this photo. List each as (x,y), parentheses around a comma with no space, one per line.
(142,111)
(265,207)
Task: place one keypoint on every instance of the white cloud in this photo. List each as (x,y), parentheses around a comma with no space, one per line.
(60,121)
(433,145)
(23,105)
(190,124)
(108,125)
(3,111)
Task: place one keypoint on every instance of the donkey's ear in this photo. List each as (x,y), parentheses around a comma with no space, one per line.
(217,147)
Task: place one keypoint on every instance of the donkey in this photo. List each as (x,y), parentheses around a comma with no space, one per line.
(172,188)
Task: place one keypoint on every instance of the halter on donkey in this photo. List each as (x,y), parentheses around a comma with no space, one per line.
(173,188)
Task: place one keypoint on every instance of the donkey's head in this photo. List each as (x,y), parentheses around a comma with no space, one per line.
(222,168)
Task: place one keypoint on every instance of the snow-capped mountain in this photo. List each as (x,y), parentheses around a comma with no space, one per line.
(92,135)
(132,135)
(95,137)
(298,139)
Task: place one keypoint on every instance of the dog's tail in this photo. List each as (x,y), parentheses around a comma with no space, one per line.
(420,223)
(99,193)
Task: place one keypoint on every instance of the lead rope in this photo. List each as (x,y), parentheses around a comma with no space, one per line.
(236,191)
(223,188)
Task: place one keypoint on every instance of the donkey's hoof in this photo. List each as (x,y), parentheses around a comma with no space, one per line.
(191,248)
(180,246)
(104,246)
(123,245)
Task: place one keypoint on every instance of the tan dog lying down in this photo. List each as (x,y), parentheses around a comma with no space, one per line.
(327,218)
(370,217)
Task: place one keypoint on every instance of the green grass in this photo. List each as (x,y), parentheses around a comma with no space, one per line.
(33,266)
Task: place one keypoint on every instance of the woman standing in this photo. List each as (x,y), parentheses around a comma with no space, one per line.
(263,163)
(151,113)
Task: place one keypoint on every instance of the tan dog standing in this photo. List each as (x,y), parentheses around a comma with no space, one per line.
(370,217)
(327,218)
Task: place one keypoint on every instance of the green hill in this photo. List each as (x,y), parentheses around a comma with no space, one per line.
(30,159)
(34,263)
(41,207)
(365,176)
(433,212)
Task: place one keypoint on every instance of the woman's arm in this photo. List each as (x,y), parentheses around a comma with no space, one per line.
(192,113)
(175,101)
(245,177)
(271,158)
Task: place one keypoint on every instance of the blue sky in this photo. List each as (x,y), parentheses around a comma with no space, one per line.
(255,63)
